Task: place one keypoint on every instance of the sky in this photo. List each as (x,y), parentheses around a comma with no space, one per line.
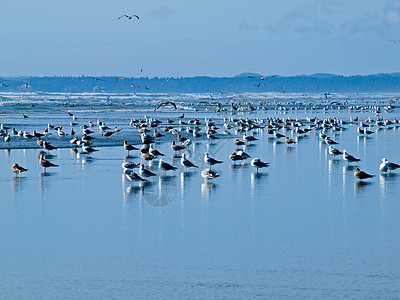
(198,38)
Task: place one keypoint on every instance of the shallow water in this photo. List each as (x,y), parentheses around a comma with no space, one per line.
(303,228)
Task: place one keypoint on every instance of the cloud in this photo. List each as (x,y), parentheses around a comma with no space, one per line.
(392,12)
(381,22)
(308,19)
(316,18)
(366,24)
(248,26)
(162,12)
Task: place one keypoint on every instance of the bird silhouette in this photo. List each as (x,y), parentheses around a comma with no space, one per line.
(166,103)
(129,17)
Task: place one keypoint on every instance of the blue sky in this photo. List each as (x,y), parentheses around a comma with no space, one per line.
(190,38)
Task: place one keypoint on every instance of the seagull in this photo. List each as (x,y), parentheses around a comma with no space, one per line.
(234,157)
(129,17)
(166,166)
(145,172)
(48,147)
(289,140)
(132,176)
(333,151)
(166,103)
(17,169)
(238,142)
(349,158)
(146,139)
(155,152)
(211,161)
(108,133)
(384,166)
(129,147)
(45,163)
(242,154)
(87,149)
(329,141)
(263,77)
(176,147)
(157,134)
(361,174)
(129,165)
(257,163)
(249,138)
(187,163)
(278,135)
(148,156)
(208,174)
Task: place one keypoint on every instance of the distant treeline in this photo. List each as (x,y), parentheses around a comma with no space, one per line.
(317,83)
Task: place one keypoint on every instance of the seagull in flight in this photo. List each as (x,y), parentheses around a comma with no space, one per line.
(129,17)
(166,103)
(263,77)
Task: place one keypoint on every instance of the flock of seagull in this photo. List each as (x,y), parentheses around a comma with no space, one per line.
(176,129)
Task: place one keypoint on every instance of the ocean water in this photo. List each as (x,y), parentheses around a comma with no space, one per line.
(303,228)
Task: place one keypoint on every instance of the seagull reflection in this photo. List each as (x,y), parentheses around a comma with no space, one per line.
(7,152)
(360,185)
(388,177)
(133,190)
(349,168)
(188,174)
(207,188)
(17,183)
(289,149)
(73,151)
(257,180)
(45,155)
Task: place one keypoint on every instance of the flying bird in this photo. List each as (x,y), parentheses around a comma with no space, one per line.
(263,77)
(129,17)
(166,103)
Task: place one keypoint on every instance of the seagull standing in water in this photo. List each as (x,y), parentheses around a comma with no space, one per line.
(166,166)
(349,158)
(87,149)
(257,163)
(45,163)
(208,174)
(211,161)
(187,163)
(132,176)
(361,174)
(18,169)
(384,166)
(333,151)
(249,138)
(145,172)
(129,147)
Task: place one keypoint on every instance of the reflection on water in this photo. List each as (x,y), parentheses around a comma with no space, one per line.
(17,184)
(360,186)
(386,181)
(208,188)
(349,168)
(238,166)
